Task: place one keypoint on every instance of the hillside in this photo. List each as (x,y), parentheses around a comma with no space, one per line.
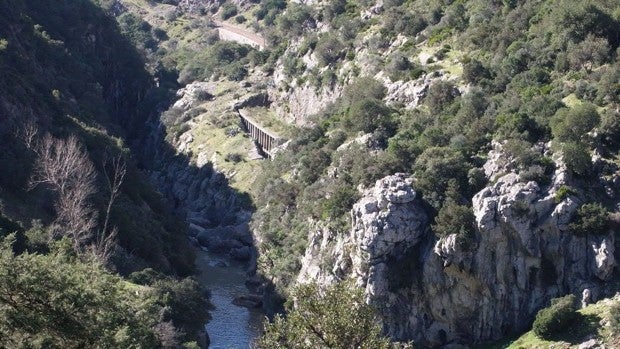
(92,238)
(458,160)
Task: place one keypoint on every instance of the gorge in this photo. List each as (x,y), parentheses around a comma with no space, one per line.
(439,174)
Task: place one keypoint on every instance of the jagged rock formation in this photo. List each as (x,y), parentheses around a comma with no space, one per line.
(439,291)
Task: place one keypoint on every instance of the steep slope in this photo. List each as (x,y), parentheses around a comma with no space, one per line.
(504,115)
(458,160)
(68,70)
(92,236)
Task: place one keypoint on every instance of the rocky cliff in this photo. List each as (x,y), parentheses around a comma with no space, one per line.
(438,291)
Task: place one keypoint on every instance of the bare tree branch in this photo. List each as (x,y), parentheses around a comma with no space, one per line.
(27,132)
(119,170)
(105,241)
(63,166)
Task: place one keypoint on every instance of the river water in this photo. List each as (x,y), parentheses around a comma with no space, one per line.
(231,326)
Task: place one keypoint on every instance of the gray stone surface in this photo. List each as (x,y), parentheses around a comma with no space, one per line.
(436,291)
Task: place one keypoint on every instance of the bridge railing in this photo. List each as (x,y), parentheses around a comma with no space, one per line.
(265,139)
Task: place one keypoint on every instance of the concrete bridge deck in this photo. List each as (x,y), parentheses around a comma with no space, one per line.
(241,35)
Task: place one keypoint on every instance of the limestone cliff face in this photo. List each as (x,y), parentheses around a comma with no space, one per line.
(438,291)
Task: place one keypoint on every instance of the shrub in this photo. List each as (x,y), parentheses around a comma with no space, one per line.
(591,218)
(614,319)
(455,219)
(563,192)
(338,317)
(233,157)
(340,201)
(329,49)
(577,157)
(555,318)
(474,71)
(228,10)
(440,94)
(240,19)
(572,124)
(368,115)
(435,168)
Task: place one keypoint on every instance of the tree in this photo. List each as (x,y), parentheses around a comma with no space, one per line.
(105,240)
(329,49)
(577,157)
(57,301)
(591,218)
(334,318)
(440,94)
(435,169)
(589,53)
(64,167)
(571,124)
(455,219)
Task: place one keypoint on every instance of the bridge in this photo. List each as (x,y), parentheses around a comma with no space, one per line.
(266,141)
(229,32)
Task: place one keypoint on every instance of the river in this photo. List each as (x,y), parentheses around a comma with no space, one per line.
(230,326)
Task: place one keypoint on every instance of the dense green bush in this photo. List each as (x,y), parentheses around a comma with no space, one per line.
(296,19)
(329,49)
(577,157)
(572,124)
(367,115)
(57,301)
(591,218)
(337,317)
(228,10)
(435,169)
(555,318)
(457,219)
(564,192)
(440,94)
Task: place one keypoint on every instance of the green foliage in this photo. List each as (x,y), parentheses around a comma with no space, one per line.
(329,49)
(614,319)
(337,317)
(435,168)
(577,157)
(572,124)
(457,219)
(363,88)
(296,19)
(228,10)
(367,115)
(440,94)
(474,71)
(183,303)
(56,301)
(591,218)
(137,30)
(269,8)
(222,58)
(340,201)
(564,192)
(556,317)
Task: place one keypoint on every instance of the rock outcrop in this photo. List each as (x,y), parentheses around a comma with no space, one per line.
(212,209)
(440,291)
